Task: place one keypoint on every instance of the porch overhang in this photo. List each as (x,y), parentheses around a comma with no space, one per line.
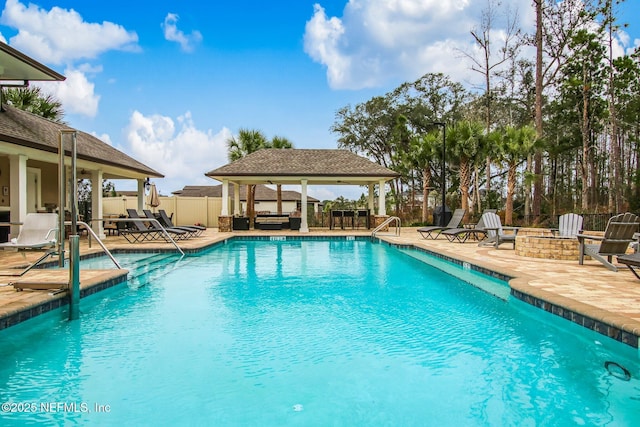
(16,66)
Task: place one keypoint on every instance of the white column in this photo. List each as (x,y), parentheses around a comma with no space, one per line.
(96,203)
(225,198)
(382,206)
(17,190)
(236,198)
(140,195)
(304,226)
(371,196)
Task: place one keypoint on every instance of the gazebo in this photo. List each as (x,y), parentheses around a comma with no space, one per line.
(302,167)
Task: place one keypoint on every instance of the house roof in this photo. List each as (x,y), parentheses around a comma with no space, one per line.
(289,166)
(263,193)
(24,129)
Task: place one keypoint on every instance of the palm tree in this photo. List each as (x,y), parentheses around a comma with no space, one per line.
(32,99)
(279,142)
(464,142)
(515,145)
(247,142)
(422,153)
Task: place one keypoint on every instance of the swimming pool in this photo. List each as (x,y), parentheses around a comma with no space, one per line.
(310,332)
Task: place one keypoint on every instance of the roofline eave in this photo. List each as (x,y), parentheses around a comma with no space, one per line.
(297,179)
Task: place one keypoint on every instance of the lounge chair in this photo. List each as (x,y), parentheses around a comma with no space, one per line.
(617,237)
(632,261)
(456,219)
(39,231)
(166,222)
(461,235)
(569,225)
(191,232)
(139,232)
(495,231)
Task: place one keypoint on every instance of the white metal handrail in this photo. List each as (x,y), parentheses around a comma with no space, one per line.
(152,220)
(386,223)
(92,233)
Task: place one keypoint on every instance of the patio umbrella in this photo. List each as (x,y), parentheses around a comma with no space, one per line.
(152,199)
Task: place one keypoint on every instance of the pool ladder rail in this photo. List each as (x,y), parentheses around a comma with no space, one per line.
(385,224)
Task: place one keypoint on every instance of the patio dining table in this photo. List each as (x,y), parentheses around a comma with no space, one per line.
(353,215)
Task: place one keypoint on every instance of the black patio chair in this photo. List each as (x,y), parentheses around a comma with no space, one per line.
(192,232)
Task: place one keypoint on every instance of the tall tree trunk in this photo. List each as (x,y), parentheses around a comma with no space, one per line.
(537,169)
(511,186)
(279,198)
(426,183)
(251,204)
(477,189)
(465,181)
(615,179)
(586,152)
(527,188)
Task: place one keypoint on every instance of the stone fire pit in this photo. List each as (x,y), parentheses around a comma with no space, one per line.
(546,246)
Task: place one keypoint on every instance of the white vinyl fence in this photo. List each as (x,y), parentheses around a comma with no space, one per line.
(185,210)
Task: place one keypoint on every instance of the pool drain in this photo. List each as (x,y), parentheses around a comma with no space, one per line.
(617,370)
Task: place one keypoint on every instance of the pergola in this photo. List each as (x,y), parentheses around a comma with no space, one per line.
(303,167)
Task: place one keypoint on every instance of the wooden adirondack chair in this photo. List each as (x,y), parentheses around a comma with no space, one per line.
(617,236)
(461,235)
(495,231)
(569,225)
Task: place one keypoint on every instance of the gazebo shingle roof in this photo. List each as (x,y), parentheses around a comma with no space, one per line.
(263,193)
(324,163)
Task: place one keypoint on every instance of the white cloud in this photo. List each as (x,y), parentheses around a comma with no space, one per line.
(76,93)
(376,42)
(173,34)
(59,35)
(177,149)
(381,42)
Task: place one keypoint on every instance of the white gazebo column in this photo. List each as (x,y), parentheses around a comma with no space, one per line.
(225,221)
(140,195)
(236,198)
(96,204)
(371,197)
(18,190)
(304,226)
(382,205)
(225,198)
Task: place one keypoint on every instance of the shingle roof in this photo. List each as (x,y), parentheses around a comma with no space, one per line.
(263,193)
(29,130)
(279,163)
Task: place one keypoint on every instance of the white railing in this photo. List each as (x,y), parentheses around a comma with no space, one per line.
(151,220)
(386,223)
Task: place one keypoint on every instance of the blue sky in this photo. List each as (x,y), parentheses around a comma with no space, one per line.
(169,82)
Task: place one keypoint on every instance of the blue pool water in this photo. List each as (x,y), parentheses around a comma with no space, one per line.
(310,333)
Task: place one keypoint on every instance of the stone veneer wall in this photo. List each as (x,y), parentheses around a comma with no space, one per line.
(538,243)
(225,224)
(547,247)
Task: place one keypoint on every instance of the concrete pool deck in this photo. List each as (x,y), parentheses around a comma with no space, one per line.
(605,301)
